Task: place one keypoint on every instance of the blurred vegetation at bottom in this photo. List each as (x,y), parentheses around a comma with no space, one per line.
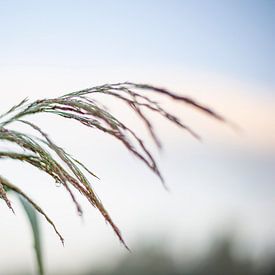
(218,260)
(155,259)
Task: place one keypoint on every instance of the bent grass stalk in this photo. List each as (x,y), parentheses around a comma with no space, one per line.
(40,151)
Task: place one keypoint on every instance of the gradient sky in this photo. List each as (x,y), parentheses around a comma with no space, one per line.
(234,38)
(220,52)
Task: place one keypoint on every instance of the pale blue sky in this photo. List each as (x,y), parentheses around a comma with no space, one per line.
(230,37)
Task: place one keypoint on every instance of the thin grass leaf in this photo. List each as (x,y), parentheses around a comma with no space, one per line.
(36,232)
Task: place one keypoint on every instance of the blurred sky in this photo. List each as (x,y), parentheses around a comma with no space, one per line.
(219,52)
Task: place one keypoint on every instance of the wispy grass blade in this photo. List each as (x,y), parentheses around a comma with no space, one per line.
(16,107)
(81,106)
(3,194)
(17,190)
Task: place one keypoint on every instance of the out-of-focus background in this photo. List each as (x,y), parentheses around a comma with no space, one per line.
(218,217)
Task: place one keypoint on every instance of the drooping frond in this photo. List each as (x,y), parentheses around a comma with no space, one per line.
(40,151)
(17,190)
(3,194)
